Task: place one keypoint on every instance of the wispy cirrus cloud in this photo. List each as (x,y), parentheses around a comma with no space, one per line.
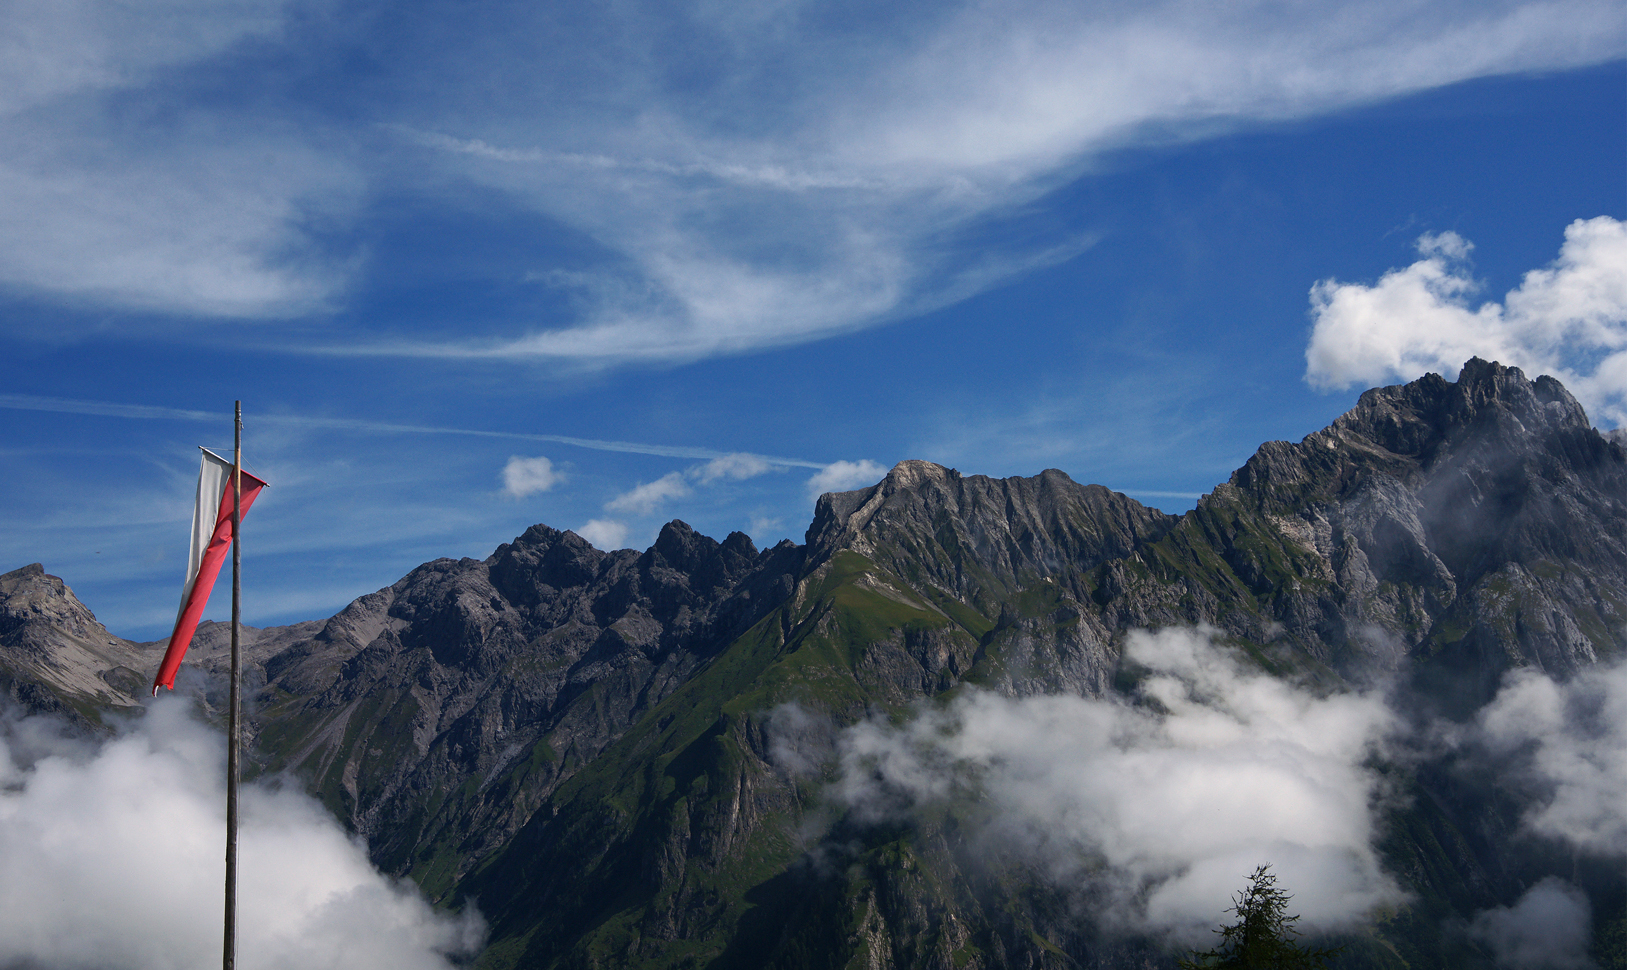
(771,176)
(770,180)
(54,48)
(120,189)
(848,196)
(90,222)
(147,412)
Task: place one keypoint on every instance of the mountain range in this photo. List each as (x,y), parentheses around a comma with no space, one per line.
(639,759)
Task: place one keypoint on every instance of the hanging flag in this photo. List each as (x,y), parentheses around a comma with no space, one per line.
(211,538)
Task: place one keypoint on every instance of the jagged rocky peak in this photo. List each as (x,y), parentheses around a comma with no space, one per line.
(39,613)
(682,548)
(1491,417)
(1482,522)
(546,651)
(542,561)
(31,597)
(55,655)
(1420,418)
(974,535)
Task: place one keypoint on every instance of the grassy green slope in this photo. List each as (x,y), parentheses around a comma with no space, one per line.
(675,847)
(652,854)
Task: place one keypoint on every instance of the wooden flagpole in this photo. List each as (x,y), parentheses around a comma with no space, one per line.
(234,727)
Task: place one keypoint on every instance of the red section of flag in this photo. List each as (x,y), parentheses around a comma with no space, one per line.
(187,623)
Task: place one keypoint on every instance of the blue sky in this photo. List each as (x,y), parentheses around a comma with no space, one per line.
(600,266)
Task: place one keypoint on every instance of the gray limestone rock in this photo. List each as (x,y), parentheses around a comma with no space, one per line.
(56,658)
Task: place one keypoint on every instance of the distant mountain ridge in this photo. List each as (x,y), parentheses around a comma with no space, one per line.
(580,739)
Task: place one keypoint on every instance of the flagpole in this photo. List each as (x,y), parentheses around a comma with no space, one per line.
(234,727)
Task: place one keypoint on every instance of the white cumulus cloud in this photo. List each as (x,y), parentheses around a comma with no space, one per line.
(1568,319)
(738,466)
(643,498)
(605,534)
(646,497)
(527,476)
(1168,812)
(842,476)
(112,855)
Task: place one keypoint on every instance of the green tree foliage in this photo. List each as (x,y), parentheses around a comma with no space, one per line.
(1263,937)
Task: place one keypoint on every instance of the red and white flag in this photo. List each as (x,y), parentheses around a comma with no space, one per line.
(211,538)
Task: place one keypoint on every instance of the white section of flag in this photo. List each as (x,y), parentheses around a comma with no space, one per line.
(212,476)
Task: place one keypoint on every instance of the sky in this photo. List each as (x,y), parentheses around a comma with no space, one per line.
(604,265)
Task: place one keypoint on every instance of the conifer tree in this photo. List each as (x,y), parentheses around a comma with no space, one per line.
(1263,936)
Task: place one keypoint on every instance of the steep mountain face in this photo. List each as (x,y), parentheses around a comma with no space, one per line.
(1480,525)
(1462,528)
(986,553)
(622,757)
(436,715)
(55,657)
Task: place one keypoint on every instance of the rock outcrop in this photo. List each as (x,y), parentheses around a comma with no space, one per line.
(437,714)
(55,657)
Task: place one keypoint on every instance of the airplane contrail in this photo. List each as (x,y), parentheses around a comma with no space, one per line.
(147,412)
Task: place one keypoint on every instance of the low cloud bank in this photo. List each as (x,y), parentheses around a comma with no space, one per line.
(111,855)
(1165,814)
(1568,320)
(1548,929)
(1561,748)
(1160,806)
(1566,745)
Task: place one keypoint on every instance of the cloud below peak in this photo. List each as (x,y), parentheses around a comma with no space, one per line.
(1547,929)
(1567,744)
(1168,812)
(131,831)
